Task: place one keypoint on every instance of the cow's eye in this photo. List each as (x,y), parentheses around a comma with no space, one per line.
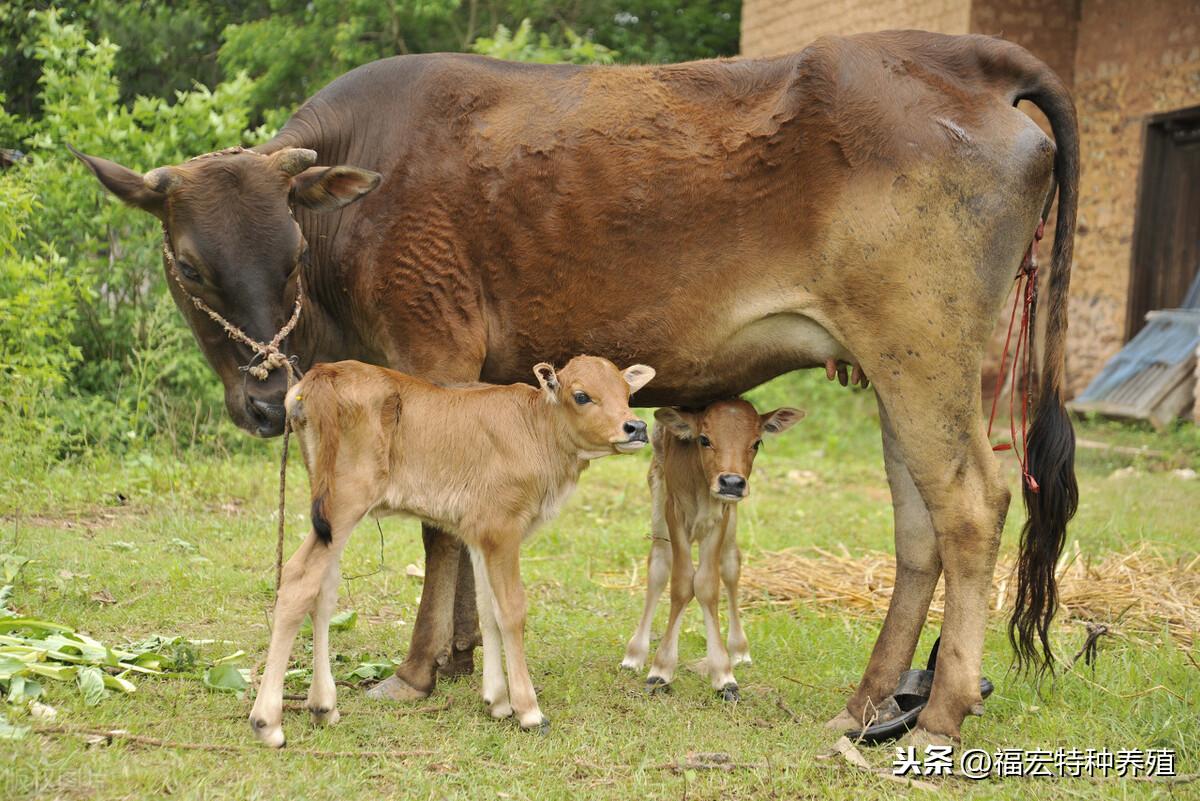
(582,398)
(757,444)
(189,272)
(705,442)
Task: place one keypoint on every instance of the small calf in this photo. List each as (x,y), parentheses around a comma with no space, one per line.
(486,463)
(701,469)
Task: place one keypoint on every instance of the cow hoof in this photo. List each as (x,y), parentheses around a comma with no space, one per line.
(541,726)
(843,722)
(656,685)
(501,710)
(921,739)
(739,659)
(631,663)
(268,735)
(730,692)
(394,688)
(325,717)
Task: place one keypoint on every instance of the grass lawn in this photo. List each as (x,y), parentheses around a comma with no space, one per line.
(190,551)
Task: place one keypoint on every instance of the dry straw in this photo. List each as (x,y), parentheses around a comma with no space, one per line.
(1137,594)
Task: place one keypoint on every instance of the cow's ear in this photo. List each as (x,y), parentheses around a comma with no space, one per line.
(637,376)
(680,424)
(781,420)
(129,186)
(331,188)
(547,378)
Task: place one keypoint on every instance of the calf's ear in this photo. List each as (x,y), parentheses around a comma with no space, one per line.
(547,378)
(129,186)
(638,376)
(331,188)
(781,420)
(680,425)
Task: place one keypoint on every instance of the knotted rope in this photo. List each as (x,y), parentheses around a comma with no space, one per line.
(1025,296)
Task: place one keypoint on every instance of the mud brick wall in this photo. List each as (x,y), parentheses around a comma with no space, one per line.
(771,27)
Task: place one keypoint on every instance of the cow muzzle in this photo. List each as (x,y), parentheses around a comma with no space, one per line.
(635,437)
(731,487)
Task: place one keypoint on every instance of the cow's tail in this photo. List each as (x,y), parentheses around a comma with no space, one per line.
(313,410)
(1051,442)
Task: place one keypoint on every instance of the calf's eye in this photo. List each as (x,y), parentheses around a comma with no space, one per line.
(582,398)
(705,442)
(757,444)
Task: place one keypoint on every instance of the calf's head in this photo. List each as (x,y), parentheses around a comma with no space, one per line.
(592,397)
(727,435)
(228,219)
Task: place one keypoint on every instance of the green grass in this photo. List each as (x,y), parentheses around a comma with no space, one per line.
(608,739)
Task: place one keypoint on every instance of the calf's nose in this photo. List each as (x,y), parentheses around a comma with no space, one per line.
(730,484)
(636,430)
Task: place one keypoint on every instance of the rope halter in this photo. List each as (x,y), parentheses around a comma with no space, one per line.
(269,354)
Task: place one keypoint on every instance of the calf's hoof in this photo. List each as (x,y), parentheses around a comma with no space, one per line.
(920,738)
(632,663)
(730,692)
(843,722)
(500,710)
(268,735)
(656,685)
(323,716)
(540,726)
(740,659)
(394,688)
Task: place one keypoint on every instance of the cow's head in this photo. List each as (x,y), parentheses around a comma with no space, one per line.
(728,435)
(238,248)
(592,398)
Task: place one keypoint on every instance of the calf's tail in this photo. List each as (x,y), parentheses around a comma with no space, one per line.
(1051,443)
(313,406)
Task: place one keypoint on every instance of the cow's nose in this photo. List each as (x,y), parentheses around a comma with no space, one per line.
(636,430)
(731,484)
(267,415)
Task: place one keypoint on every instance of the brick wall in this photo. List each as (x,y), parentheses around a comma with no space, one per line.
(770,27)
(1134,58)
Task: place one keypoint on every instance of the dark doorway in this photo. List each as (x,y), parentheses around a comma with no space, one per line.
(1166,250)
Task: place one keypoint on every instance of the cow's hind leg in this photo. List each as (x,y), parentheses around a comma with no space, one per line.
(941,437)
(301,584)
(707,587)
(918,567)
(501,555)
(666,658)
(731,572)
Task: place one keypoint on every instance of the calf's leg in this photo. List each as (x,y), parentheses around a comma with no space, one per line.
(731,573)
(707,587)
(322,693)
(501,555)
(666,658)
(301,584)
(494,689)
(658,571)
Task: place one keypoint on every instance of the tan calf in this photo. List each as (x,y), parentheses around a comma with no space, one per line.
(701,469)
(486,463)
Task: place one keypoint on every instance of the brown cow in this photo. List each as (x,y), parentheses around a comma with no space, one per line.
(488,464)
(867,200)
(700,472)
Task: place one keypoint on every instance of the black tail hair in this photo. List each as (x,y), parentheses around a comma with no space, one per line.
(320,522)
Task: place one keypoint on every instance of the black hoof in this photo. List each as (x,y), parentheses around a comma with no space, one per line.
(730,692)
(542,727)
(656,685)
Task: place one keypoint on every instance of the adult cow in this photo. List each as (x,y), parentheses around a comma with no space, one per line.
(868,199)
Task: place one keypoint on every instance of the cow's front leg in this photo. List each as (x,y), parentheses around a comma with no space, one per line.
(416,676)
(494,688)
(666,658)
(707,587)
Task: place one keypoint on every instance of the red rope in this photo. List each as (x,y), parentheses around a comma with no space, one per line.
(1024,295)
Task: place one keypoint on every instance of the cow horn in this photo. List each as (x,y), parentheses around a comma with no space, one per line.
(162,180)
(294,160)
